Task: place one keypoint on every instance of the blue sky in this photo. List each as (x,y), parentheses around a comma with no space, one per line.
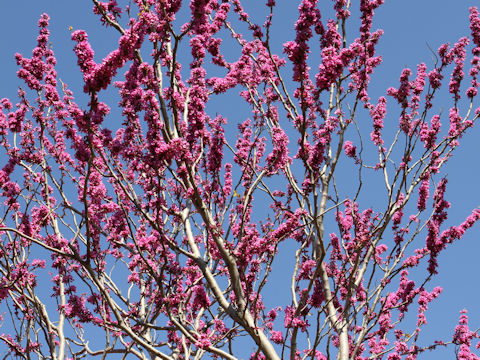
(409,26)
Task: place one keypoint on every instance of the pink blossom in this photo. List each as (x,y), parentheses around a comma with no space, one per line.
(341,9)
(330,69)
(203,342)
(298,50)
(380,249)
(378,114)
(457,74)
(455,122)
(111,10)
(463,336)
(429,135)
(276,336)
(433,242)
(435,77)
(475,25)
(349,148)
(423,193)
(278,158)
(306,269)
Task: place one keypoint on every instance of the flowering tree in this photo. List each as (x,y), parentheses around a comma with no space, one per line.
(155,235)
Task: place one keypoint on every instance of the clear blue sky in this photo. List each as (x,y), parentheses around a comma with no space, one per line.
(408,24)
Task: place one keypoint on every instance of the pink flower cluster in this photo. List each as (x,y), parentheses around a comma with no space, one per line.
(433,242)
(475,62)
(463,337)
(278,158)
(423,193)
(110,8)
(458,74)
(298,50)
(378,113)
(350,149)
(99,76)
(429,134)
